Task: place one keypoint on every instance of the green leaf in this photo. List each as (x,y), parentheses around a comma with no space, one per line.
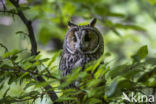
(29,84)
(1,86)
(93,83)
(118,70)
(94,101)
(23,75)
(6,92)
(71,77)
(147,75)
(12,79)
(64,98)
(44,60)
(98,62)
(6,64)
(116,86)
(21,32)
(54,58)
(34,93)
(141,54)
(12,53)
(95,92)
(134,27)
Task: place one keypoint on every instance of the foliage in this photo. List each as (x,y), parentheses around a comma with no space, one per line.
(125,69)
(98,83)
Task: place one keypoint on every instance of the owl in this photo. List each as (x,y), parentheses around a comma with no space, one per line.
(82,44)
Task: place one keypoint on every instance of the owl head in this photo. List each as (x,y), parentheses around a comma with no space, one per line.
(85,39)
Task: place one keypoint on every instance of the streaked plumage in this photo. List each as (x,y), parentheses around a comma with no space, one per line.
(82,44)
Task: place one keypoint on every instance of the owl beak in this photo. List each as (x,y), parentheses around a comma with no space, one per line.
(78,47)
(78,43)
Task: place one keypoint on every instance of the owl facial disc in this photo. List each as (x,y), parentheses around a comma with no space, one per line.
(83,39)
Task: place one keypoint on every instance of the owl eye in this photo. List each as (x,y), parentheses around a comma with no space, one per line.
(87,38)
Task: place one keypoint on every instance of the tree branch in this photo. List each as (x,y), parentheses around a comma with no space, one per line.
(31,35)
(9,12)
(3,3)
(3,46)
(29,27)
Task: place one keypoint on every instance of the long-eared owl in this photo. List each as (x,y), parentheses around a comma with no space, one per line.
(82,44)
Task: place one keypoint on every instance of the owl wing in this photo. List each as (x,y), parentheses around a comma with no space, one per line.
(62,65)
(65,65)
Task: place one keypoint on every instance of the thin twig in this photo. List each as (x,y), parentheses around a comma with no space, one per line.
(4,7)
(31,35)
(9,12)
(6,49)
(29,27)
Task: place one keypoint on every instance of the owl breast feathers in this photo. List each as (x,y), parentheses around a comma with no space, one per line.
(82,44)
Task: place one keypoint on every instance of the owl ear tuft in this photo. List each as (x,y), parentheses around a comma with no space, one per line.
(92,22)
(70,24)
